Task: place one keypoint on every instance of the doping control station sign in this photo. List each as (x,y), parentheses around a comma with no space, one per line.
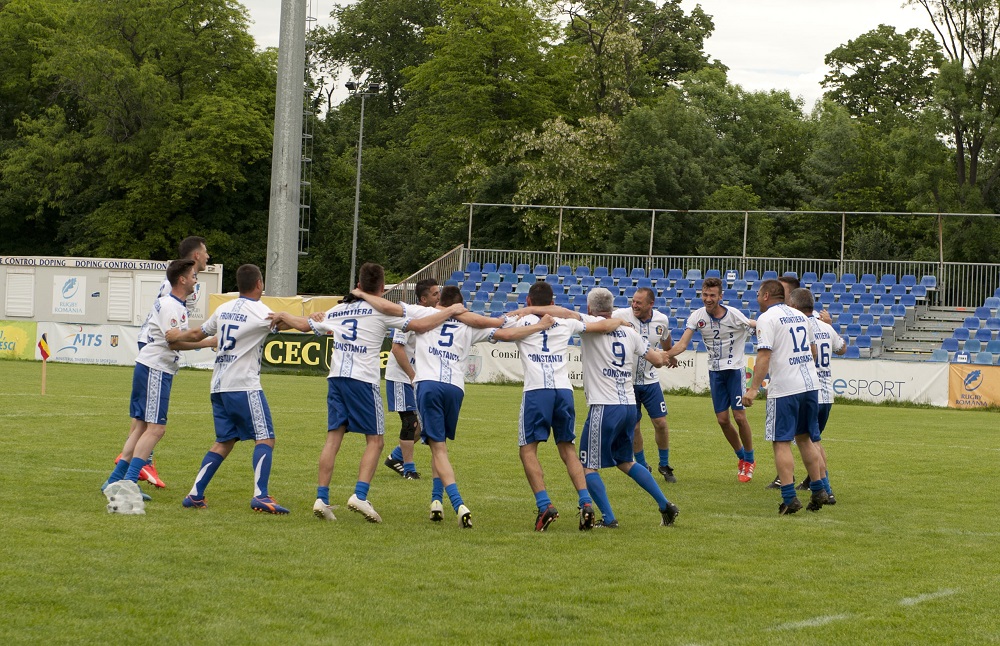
(973,386)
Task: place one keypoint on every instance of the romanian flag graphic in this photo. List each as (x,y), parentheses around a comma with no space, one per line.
(43,347)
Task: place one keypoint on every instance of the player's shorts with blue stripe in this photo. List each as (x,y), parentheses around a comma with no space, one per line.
(791,415)
(242,415)
(150,394)
(544,409)
(356,405)
(399,396)
(650,397)
(727,388)
(438,406)
(606,440)
(823,417)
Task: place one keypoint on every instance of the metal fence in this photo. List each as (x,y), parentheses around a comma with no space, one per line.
(440,269)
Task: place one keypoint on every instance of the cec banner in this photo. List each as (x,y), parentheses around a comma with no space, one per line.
(17,340)
(972,386)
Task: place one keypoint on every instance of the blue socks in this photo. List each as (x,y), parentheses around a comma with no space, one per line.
(585,498)
(361,490)
(826,483)
(134,467)
(644,479)
(323,493)
(741,453)
(748,456)
(397,453)
(409,467)
(640,457)
(121,468)
(542,500)
(787,493)
(262,458)
(664,457)
(209,465)
(437,490)
(817,485)
(600,495)
(454,496)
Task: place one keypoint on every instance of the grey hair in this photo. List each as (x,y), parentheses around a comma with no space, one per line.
(802,300)
(599,299)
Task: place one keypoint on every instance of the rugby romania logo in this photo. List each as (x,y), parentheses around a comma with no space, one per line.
(70,288)
(973,380)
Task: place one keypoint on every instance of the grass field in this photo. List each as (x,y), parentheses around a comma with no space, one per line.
(907,556)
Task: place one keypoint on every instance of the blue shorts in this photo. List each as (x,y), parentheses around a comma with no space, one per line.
(650,396)
(400,397)
(242,415)
(545,409)
(823,417)
(727,388)
(150,394)
(438,406)
(792,415)
(606,440)
(356,405)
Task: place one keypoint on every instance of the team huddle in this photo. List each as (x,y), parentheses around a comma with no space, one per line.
(621,351)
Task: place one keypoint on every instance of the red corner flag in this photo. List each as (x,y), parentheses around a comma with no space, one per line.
(43,347)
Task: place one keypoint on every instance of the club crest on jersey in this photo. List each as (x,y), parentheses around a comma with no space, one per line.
(184,317)
(701,323)
(173,322)
(659,330)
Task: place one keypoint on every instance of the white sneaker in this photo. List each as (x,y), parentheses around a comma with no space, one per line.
(464,517)
(323,511)
(364,508)
(437,511)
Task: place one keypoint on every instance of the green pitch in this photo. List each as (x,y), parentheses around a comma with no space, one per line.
(907,556)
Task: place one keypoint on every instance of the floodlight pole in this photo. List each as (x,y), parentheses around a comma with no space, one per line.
(353,88)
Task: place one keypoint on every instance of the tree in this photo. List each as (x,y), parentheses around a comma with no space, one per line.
(883,77)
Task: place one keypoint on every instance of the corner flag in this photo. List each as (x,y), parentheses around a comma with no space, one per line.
(43,347)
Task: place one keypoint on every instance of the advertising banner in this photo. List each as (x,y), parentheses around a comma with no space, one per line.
(112,345)
(973,386)
(17,340)
(69,295)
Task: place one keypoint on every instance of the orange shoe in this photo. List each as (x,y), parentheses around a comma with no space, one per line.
(747,474)
(739,469)
(149,474)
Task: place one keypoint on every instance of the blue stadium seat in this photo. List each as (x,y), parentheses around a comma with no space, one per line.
(993,323)
(817,288)
(972,346)
(677,302)
(458,276)
(984,359)
(620,302)
(562,300)
(853,329)
(656,273)
(751,276)
(468,286)
(682,284)
(600,272)
(971,322)
(877,309)
(897,290)
(983,313)
(962,357)
(835,309)
(552,279)
(908,280)
(879,290)
(888,280)
(864,320)
(808,278)
(682,314)
(689,294)
(730,294)
(962,334)
(844,318)
(489,267)
(644,282)
(874,331)
(478,307)
(473,266)
(939,356)
(866,299)
(791,274)
(747,313)
(660,303)
(730,276)
(770,274)
(908,300)
(748,348)
(630,291)
(637,273)
(483,295)
(522,299)
(734,302)
(664,310)
(750,296)
(675,274)
(992,302)
(928,281)
(510,306)
(996,292)
(608,283)
(993,347)
(740,285)
(564,270)
(451,283)
(984,335)
(693,274)
(829,278)
(541,270)
(852,352)
(696,284)
(467,295)
(696,303)
(497,307)
(581,271)
(826,298)
(863,342)
(522,270)
(618,273)
(505,268)
(522,288)
(950,344)
(505,288)
(575,290)
(587,282)
(898,310)
(849,279)
(919,291)
(886,320)
(713,273)
(857,309)
(868,280)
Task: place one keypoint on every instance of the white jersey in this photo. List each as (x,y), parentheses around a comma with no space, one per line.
(724,337)
(393,371)
(655,331)
(827,343)
(543,354)
(787,333)
(242,327)
(358,330)
(609,362)
(165,291)
(168,312)
(442,353)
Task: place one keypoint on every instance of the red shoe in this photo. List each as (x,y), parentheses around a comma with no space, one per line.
(739,469)
(747,474)
(149,474)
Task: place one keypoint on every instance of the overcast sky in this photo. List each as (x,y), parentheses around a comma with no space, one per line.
(766,44)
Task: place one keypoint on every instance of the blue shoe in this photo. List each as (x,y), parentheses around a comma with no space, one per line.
(193,502)
(266,504)
(105,485)
(145,496)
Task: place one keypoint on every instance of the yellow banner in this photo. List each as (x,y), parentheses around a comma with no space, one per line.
(314,304)
(17,339)
(973,386)
(290,304)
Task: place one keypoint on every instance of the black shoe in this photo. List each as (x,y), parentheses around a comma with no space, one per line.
(586,517)
(612,525)
(411,475)
(776,483)
(830,499)
(394,464)
(819,498)
(804,485)
(668,473)
(545,518)
(790,508)
(669,514)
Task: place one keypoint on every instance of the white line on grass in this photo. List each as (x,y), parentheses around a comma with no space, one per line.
(920,598)
(961,532)
(78,470)
(911,445)
(812,623)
